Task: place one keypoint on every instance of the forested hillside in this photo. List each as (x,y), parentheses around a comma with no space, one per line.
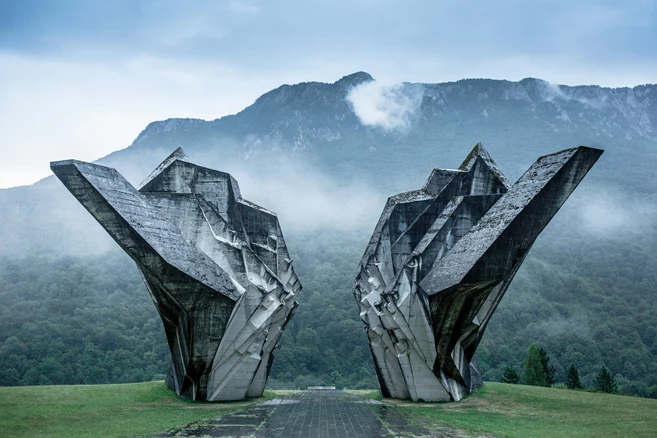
(71,320)
(90,320)
(73,308)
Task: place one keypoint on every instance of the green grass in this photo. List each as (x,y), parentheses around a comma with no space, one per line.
(101,410)
(144,408)
(529,411)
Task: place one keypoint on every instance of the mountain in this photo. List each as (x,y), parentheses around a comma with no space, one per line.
(325,157)
(517,121)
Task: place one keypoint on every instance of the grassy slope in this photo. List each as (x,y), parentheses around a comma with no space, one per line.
(143,408)
(99,410)
(529,411)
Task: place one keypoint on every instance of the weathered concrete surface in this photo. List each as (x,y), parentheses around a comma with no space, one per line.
(320,414)
(441,258)
(216,266)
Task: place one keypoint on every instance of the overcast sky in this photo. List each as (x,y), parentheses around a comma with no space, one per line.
(80,79)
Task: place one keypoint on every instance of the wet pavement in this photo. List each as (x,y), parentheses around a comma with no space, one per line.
(317,414)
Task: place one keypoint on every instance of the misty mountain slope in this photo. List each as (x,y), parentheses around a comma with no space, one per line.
(406,132)
(518,121)
(325,157)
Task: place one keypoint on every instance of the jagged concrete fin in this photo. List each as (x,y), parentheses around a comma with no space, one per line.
(178,154)
(512,225)
(137,225)
(438,179)
(235,187)
(440,260)
(214,281)
(466,285)
(180,176)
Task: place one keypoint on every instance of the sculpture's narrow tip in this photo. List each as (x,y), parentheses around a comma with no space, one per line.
(178,154)
(478,149)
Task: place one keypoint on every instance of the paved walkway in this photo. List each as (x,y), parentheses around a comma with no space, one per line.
(316,414)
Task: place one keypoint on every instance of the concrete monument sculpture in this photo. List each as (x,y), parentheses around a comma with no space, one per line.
(441,258)
(215,265)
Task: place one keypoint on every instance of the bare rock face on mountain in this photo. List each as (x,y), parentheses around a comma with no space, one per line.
(440,260)
(216,267)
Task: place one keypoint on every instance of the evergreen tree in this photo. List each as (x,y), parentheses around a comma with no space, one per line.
(534,372)
(604,382)
(510,376)
(572,378)
(547,368)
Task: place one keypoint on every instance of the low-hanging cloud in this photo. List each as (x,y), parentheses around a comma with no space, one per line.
(554,92)
(608,212)
(304,197)
(603,216)
(390,107)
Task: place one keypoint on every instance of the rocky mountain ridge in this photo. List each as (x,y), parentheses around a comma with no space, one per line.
(317,112)
(329,126)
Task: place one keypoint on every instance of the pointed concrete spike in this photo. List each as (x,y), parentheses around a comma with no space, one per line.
(438,179)
(467,163)
(479,151)
(178,154)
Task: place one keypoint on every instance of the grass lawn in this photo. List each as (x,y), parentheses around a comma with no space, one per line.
(100,410)
(530,411)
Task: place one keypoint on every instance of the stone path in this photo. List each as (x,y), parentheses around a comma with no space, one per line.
(316,414)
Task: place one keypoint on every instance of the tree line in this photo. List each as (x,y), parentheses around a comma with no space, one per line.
(539,372)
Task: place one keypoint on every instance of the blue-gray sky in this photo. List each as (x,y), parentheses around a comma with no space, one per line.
(82,78)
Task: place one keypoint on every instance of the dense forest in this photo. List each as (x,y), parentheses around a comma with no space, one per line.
(69,320)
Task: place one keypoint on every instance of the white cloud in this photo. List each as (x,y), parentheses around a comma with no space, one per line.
(550,91)
(390,107)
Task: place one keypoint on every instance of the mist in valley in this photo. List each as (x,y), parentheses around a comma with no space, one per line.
(586,290)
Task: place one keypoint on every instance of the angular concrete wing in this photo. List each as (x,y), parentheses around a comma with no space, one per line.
(216,266)
(440,260)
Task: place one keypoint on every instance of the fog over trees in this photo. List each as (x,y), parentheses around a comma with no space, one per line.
(73,308)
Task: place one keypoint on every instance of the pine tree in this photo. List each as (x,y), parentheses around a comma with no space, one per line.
(510,376)
(547,368)
(604,382)
(534,372)
(572,378)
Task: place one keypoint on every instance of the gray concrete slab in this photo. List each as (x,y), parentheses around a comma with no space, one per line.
(318,414)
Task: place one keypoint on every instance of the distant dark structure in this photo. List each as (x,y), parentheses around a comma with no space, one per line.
(440,260)
(216,267)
